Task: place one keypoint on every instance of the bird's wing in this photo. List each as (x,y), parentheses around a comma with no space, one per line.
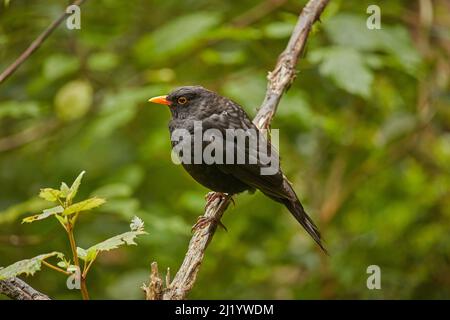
(234,117)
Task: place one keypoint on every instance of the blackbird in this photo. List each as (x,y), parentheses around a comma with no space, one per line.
(194,104)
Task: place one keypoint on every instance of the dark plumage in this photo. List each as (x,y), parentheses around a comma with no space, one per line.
(194,103)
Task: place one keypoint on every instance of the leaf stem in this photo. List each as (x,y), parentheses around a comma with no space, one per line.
(56,268)
(83,287)
(86,268)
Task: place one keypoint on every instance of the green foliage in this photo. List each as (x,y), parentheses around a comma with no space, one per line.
(73,100)
(45,214)
(59,65)
(346,67)
(50,194)
(84,205)
(65,194)
(67,213)
(168,40)
(363,130)
(27,266)
(16,109)
(127,238)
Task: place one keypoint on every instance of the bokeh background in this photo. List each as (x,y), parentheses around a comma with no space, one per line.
(364,138)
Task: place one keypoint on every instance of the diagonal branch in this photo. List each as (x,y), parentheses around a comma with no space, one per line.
(35,44)
(17,289)
(279,81)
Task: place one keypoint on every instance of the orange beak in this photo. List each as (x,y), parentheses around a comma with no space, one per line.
(160,100)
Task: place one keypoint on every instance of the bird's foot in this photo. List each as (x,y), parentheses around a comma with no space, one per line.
(211,196)
(203,221)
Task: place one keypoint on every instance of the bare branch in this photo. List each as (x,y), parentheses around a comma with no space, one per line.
(17,289)
(35,44)
(284,73)
(279,81)
(28,135)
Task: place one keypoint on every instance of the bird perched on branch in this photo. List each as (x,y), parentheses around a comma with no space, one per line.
(195,108)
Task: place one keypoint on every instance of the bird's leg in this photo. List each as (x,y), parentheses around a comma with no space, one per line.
(211,196)
(203,221)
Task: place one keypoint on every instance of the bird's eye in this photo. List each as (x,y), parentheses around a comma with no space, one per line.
(182,100)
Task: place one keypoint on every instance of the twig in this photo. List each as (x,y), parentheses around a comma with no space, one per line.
(155,287)
(284,73)
(279,81)
(49,265)
(17,289)
(28,135)
(35,44)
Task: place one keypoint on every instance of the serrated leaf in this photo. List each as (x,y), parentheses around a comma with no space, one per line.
(126,238)
(50,194)
(74,187)
(84,205)
(27,266)
(45,214)
(137,224)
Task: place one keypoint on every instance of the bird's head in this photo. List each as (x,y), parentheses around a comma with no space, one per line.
(189,101)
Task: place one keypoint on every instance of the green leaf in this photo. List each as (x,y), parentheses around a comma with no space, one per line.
(45,214)
(27,266)
(279,30)
(73,100)
(168,40)
(74,187)
(114,190)
(102,61)
(19,109)
(60,65)
(126,238)
(247,88)
(50,194)
(81,253)
(350,31)
(64,190)
(84,205)
(346,67)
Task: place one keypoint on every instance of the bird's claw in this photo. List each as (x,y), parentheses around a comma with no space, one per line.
(203,221)
(211,196)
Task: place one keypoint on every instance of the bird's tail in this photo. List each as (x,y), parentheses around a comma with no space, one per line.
(296,208)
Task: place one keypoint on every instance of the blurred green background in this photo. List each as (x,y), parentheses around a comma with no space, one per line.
(364,138)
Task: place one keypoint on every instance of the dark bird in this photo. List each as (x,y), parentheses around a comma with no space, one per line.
(191,105)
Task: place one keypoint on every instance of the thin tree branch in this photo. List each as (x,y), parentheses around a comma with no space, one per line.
(35,44)
(279,81)
(28,135)
(17,289)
